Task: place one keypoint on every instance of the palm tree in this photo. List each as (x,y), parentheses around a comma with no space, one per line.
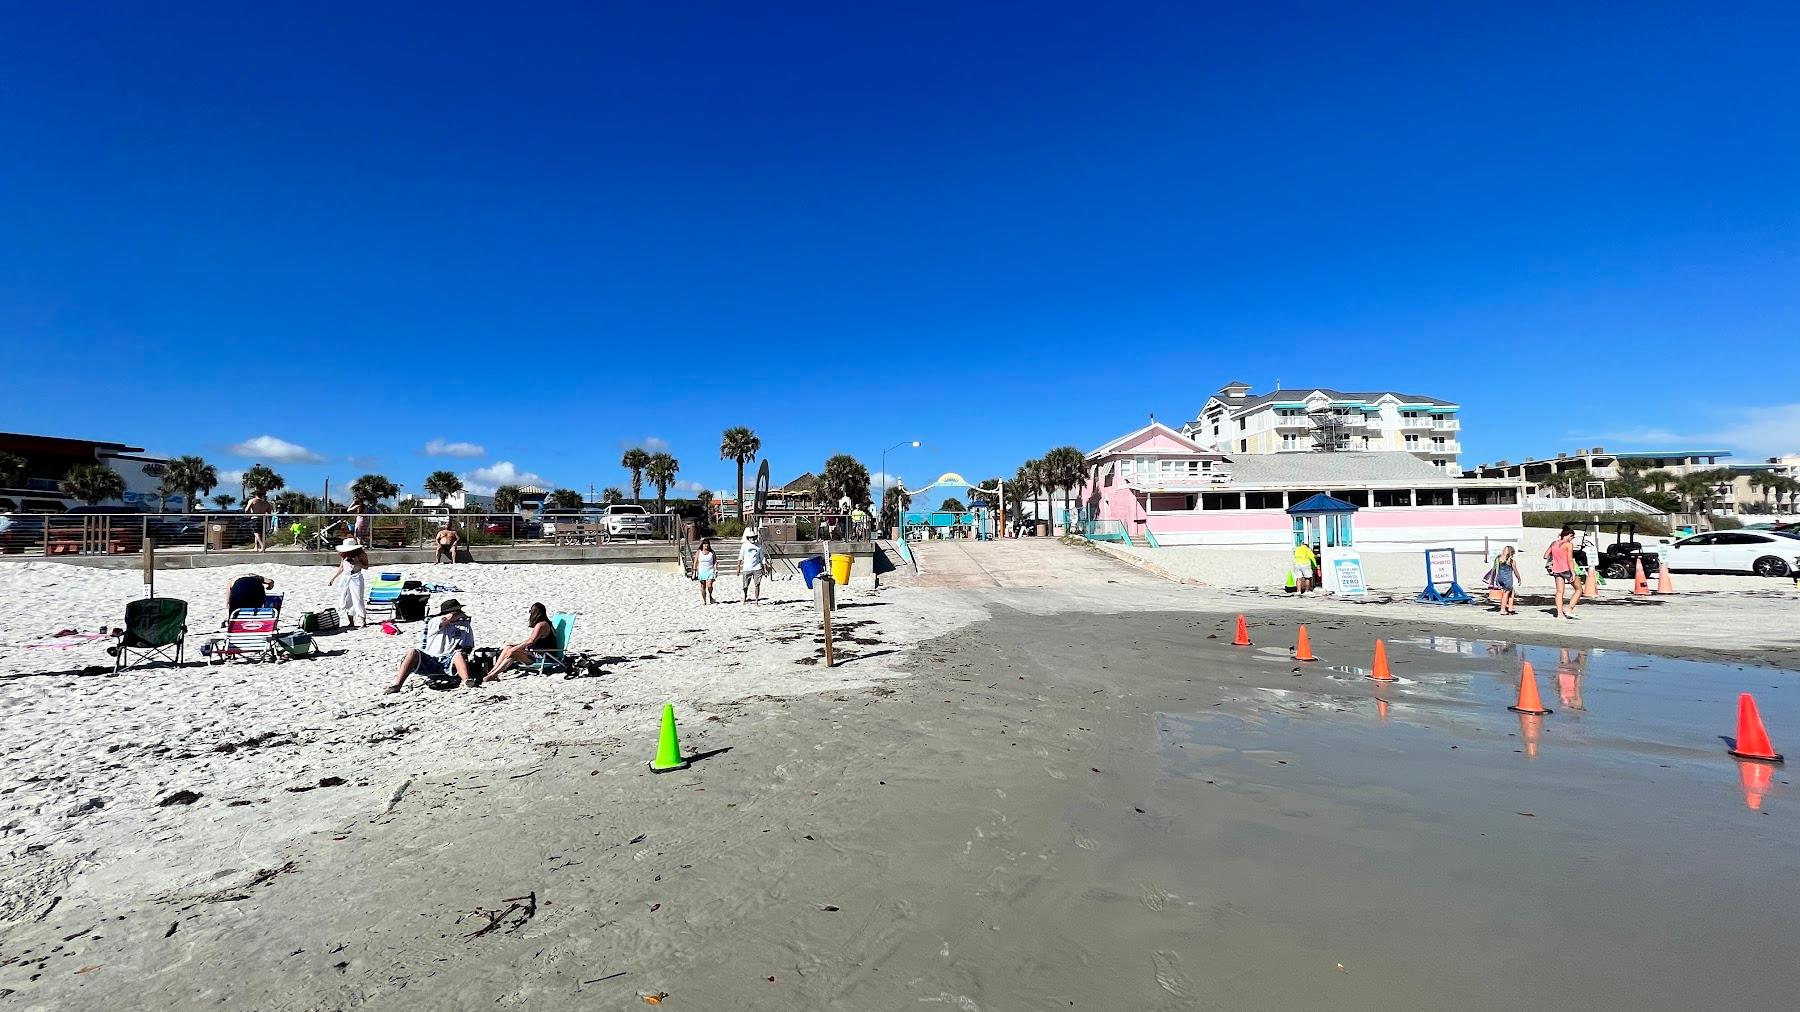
(1026,480)
(506,498)
(261,480)
(295,503)
(12,470)
(740,444)
(191,476)
(844,475)
(443,484)
(1067,468)
(951,504)
(895,502)
(93,482)
(1658,480)
(635,460)
(612,495)
(566,499)
(224,502)
(705,499)
(661,470)
(372,489)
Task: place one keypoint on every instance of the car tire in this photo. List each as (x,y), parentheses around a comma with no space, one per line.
(1769,565)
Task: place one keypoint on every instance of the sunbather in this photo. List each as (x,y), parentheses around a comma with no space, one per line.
(248,592)
(445,650)
(541,637)
(446,544)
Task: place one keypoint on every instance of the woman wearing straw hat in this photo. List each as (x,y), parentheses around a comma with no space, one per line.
(353,602)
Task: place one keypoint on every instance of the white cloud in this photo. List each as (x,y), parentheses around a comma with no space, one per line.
(271,448)
(689,487)
(444,448)
(484,480)
(1760,431)
(230,478)
(880,479)
(649,444)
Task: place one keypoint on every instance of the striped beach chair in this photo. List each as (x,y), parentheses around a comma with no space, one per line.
(249,636)
(383,592)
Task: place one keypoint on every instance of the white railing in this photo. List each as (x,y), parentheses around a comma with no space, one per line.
(1571,504)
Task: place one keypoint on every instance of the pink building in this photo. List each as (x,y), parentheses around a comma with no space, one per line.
(1157,487)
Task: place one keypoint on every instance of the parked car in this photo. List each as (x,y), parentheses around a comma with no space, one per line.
(627,520)
(1761,552)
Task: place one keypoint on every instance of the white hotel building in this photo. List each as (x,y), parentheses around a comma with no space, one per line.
(1302,420)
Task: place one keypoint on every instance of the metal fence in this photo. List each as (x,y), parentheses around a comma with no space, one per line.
(58,534)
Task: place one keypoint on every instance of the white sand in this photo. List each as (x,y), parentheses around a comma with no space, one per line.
(90,755)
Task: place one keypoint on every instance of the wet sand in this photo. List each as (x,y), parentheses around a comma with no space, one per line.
(1055,810)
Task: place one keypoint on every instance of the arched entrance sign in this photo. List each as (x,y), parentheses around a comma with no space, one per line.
(979,523)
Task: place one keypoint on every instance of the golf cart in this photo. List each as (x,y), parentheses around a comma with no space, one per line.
(1617,558)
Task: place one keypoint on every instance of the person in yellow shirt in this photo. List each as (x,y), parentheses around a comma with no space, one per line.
(1306,566)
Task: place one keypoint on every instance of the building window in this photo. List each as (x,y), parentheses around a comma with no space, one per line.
(1412,442)
(1290,442)
(1220,501)
(1355,497)
(1436,497)
(1393,497)
(1263,501)
(1243,446)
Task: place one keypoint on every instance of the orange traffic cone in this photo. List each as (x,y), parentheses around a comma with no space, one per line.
(1663,586)
(1528,694)
(1752,739)
(1242,639)
(1756,778)
(1593,582)
(1531,728)
(1381,673)
(1303,647)
(1639,585)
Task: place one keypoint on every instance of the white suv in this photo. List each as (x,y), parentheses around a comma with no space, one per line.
(626,520)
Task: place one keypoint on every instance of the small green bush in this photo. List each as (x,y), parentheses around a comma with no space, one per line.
(730,527)
(1725,523)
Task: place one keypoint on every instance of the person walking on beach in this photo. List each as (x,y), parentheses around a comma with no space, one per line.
(259,507)
(353,600)
(751,563)
(1506,579)
(444,649)
(1559,559)
(1305,564)
(706,569)
(360,527)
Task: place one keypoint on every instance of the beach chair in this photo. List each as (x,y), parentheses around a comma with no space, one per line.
(383,592)
(154,627)
(249,636)
(546,662)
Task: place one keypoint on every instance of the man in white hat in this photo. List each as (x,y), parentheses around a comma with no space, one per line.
(353,600)
(751,563)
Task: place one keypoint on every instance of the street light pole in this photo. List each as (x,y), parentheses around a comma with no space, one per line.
(882,505)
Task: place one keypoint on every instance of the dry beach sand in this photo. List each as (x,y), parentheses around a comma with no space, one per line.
(1060,789)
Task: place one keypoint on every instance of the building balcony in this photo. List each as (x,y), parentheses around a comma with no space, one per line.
(1448,448)
(1415,424)
(1441,424)
(1292,423)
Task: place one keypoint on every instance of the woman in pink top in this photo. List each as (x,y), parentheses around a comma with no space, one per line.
(1560,561)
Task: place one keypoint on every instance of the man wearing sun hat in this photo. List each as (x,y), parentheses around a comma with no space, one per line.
(752,563)
(444,649)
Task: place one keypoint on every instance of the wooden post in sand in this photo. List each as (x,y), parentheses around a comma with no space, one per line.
(827,591)
(149,568)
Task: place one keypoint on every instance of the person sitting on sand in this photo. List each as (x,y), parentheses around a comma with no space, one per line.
(447,540)
(248,592)
(541,637)
(444,650)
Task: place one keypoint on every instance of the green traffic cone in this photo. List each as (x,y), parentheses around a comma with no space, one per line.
(668,748)
(1290,581)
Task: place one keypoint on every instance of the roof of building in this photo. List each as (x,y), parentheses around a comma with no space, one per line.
(28,443)
(1648,454)
(1155,426)
(1322,503)
(1301,393)
(1332,468)
(806,484)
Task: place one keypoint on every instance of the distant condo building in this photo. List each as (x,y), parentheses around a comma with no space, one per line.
(1319,420)
(1597,464)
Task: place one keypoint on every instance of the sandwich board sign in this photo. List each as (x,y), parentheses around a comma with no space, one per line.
(1344,572)
(1440,578)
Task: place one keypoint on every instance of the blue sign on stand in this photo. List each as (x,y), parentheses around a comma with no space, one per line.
(1440,578)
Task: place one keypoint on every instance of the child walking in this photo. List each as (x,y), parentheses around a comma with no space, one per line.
(706,569)
(1506,579)
(353,600)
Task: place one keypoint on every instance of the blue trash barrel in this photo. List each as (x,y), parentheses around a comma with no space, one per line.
(810,568)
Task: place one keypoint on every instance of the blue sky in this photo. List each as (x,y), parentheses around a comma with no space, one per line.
(335,235)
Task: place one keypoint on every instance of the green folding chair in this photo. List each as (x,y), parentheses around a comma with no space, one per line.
(546,662)
(154,627)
